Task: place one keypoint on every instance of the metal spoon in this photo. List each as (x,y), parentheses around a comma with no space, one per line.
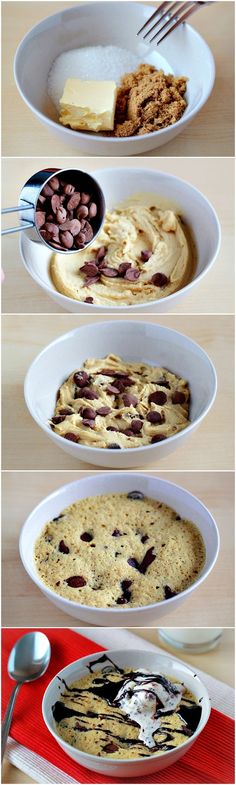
(28,660)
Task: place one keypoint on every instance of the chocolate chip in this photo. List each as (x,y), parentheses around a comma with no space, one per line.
(58,419)
(89,300)
(137,495)
(158,397)
(126,597)
(125,584)
(81,378)
(133,563)
(178,397)
(163,383)
(178,518)
(113,447)
(111,428)
(61,215)
(123,267)
(158,437)
(154,417)
(136,426)
(55,202)
(63,547)
(54,183)
(90,269)
(159,279)
(107,372)
(145,563)
(116,533)
(57,583)
(147,560)
(86,537)
(68,189)
(169,593)
(101,253)
(127,432)
(90,281)
(89,423)
(85,198)
(103,411)
(76,581)
(144,538)
(130,400)
(86,393)
(88,413)
(66,411)
(82,211)
(40,219)
(111,747)
(110,272)
(132,274)
(112,389)
(92,210)
(71,437)
(123,383)
(145,255)
(74,201)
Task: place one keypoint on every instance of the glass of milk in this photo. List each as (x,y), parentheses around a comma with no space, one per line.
(194,640)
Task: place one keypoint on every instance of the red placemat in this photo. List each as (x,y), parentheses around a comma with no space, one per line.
(210,760)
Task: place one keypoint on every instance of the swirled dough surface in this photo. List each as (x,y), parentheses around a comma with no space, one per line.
(113,551)
(127,232)
(131,394)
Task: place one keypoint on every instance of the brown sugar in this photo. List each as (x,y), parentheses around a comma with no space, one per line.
(148,100)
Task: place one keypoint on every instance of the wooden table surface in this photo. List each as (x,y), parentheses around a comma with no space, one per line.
(218,663)
(211,132)
(211,605)
(26,446)
(215,293)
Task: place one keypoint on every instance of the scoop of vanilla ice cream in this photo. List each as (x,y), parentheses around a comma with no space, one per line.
(145,698)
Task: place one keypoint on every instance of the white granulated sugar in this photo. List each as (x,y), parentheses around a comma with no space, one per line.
(89,62)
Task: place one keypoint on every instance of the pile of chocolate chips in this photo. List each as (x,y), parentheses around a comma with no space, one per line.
(94,269)
(64,216)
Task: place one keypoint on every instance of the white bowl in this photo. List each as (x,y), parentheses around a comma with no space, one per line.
(134,341)
(185,504)
(117,185)
(184,53)
(152,661)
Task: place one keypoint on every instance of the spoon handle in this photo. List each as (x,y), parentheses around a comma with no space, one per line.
(8,716)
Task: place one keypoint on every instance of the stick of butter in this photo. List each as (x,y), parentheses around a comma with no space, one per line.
(88,105)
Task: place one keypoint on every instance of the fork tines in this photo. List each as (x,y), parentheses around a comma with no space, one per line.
(168,16)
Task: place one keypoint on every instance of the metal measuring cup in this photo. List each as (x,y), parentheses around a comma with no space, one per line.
(29,197)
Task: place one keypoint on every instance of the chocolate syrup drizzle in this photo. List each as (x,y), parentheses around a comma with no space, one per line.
(103,688)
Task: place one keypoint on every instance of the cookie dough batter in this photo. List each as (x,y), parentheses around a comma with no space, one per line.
(118,549)
(148,254)
(115,404)
(110,712)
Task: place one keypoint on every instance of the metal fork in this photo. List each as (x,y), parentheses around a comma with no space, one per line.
(170,15)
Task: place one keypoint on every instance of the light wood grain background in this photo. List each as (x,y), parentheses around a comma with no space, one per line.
(210,134)
(215,293)
(26,446)
(212,604)
(218,663)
